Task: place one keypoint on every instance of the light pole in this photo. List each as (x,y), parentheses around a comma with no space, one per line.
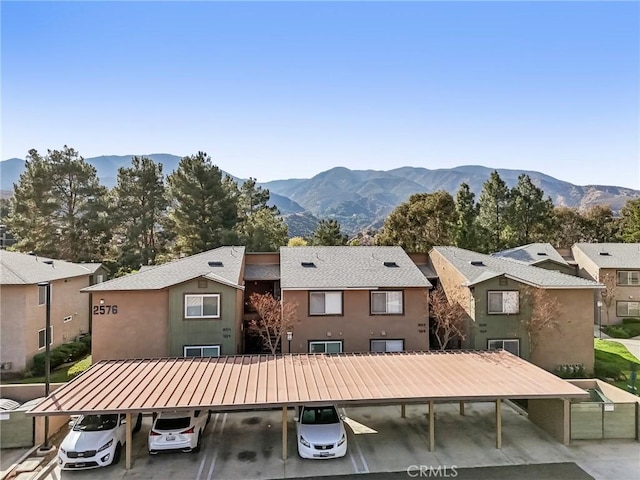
(599,319)
(45,447)
(289,338)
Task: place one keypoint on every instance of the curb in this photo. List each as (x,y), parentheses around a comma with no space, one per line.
(20,460)
(47,469)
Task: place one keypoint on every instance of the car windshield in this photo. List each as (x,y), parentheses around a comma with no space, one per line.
(95,423)
(172,423)
(319,416)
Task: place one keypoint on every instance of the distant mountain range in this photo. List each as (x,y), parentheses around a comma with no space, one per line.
(361,199)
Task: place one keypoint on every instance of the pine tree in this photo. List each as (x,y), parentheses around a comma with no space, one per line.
(466,229)
(328,233)
(529,215)
(493,211)
(630,221)
(141,208)
(203,210)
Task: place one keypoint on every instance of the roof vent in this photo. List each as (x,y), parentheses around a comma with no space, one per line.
(308,264)
(391,264)
(476,263)
(542,254)
(605,254)
(215,264)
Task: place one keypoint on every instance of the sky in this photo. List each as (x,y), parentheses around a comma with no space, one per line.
(290,89)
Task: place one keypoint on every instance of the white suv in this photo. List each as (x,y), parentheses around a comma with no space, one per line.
(94,441)
(177,431)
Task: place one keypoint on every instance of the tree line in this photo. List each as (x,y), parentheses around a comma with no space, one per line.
(502,218)
(59,209)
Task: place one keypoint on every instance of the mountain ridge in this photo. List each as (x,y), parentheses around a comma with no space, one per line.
(361,199)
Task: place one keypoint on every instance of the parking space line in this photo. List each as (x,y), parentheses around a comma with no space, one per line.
(215,455)
(365,466)
(204,457)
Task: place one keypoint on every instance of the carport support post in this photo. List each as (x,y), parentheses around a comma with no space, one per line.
(403,411)
(432,428)
(284,432)
(462,408)
(498,424)
(129,441)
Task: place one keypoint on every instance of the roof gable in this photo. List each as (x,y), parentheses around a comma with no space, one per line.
(532,254)
(611,255)
(222,265)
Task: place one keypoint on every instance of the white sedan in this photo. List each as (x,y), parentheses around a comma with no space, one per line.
(320,432)
(177,431)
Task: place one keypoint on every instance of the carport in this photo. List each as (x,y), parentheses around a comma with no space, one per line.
(267,381)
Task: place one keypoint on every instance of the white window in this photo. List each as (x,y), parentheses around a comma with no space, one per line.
(325,347)
(68,318)
(99,278)
(325,303)
(504,302)
(386,303)
(510,345)
(628,309)
(202,306)
(42,294)
(387,345)
(42,340)
(202,351)
(629,277)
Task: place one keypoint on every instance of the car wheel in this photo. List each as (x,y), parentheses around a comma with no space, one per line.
(153,452)
(196,449)
(116,454)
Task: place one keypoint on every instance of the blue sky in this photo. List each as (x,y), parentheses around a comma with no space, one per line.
(282,90)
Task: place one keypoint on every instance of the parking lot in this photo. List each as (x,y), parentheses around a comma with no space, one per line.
(247,445)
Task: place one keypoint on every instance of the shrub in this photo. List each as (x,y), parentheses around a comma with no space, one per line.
(604,370)
(617,331)
(64,353)
(630,320)
(79,367)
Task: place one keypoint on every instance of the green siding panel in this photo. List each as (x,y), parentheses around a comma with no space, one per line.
(220,331)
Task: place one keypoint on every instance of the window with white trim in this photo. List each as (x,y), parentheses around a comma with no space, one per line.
(509,344)
(628,277)
(333,346)
(386,303)
(504,302)
(387,345)
(42,340)
(68,318)
(325,303)
(99,278)
(202,306)
(202,350)
(628,309)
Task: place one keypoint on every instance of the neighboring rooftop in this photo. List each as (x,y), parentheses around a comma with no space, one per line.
(532,254)
(222,265)
(262,272)
(24,269)
(478,268)
(611,255)
(348,267)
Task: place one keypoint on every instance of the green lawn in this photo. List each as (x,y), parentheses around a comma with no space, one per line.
(59,375)
(614,355)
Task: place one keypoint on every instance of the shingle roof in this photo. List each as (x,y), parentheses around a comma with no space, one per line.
(22,269)
(182,270)
(532,254)
(262,272)
(348,267)
(618,255)
(485,267)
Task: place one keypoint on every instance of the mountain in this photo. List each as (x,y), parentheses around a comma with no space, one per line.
(361,199)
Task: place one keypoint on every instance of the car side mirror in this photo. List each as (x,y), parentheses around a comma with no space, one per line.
(296,419)
(71,422)
(342,417)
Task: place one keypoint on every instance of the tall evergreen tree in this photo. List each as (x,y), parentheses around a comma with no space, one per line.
(203,211)
(601,226)
(425,220)
(59,208)
(567,227)
(493,211)
(466,229)
(529,215)
(630,221)
(264,231)
(328,233)
(141,208)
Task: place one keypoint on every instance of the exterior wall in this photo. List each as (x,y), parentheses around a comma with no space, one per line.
(22,318)
(12,313)
(267,258)
(552,415)
(221,331)
(139,329)
(622,292)
(356,326)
